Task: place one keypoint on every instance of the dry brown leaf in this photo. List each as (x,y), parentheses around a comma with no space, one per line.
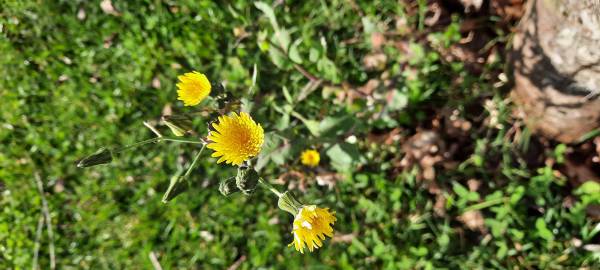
(156,83)
(473,184)
(472,5)
(369,87)
(375,62)
(58,187)
(439,208)
(578,173)
(473,220)
(425,149)
(377,41)
(108,41)
(108,8)
(167,109)
(386,138)
(593,212)
(434,14)
(328,179)
(81,14)
(343,238)
(293,179)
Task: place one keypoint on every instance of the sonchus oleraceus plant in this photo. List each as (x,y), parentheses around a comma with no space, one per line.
(235,139)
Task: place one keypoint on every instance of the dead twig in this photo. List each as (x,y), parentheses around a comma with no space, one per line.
(36,247)
(154,261)
(237,263)
(48,219)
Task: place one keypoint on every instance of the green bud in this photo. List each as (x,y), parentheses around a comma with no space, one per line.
(102,156)
(228,186)
(246,180)
(288,203)
(178,124)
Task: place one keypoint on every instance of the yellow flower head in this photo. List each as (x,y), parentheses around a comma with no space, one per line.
(192,88)
(311,225)
(236,138)
(310,158)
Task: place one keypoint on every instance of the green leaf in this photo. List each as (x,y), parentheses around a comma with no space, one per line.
(398,102)
(590,135)
(282,36)
(328,70)
(278,58)
(517,195)
(542,230)
(589,188)
(343,156)
(286,94)
(311,125)
(268,11)
(559,153)
(460,190)
(336,125)
(274,149)
(294,54)
(177,185)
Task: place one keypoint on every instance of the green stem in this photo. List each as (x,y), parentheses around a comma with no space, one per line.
(270,187)
(485,204)
(196,158)
(156,140)
(182,140)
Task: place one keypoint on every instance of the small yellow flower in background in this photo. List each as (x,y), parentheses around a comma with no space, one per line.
(236,138)
(193,87)
(311,225)
(310,158)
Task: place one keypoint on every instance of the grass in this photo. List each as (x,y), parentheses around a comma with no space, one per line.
(76,78)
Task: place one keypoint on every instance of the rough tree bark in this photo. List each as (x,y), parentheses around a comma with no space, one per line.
(556,61)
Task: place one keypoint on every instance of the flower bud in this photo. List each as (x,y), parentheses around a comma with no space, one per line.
(102,156)
(228,186)
(288,203)
(246,180)
(178,124)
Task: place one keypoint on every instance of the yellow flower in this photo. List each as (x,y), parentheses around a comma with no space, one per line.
(311,225)
(236,138)
(310,158)
(192,88)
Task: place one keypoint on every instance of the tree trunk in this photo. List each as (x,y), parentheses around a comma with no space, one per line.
(556,61)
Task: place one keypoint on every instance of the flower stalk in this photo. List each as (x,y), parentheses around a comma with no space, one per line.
(269,187)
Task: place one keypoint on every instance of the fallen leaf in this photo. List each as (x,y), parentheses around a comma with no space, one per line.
(472,5)
(439,208)
(206,235)
(473,184)
(108,8)
(387,138)
(328,179)
(377,40)
(156,83)
(369,87)
(293,179)
(343,238)
(434,14)
(81,14)
(375,62)
(473,220)
(58,187)
(593,211)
